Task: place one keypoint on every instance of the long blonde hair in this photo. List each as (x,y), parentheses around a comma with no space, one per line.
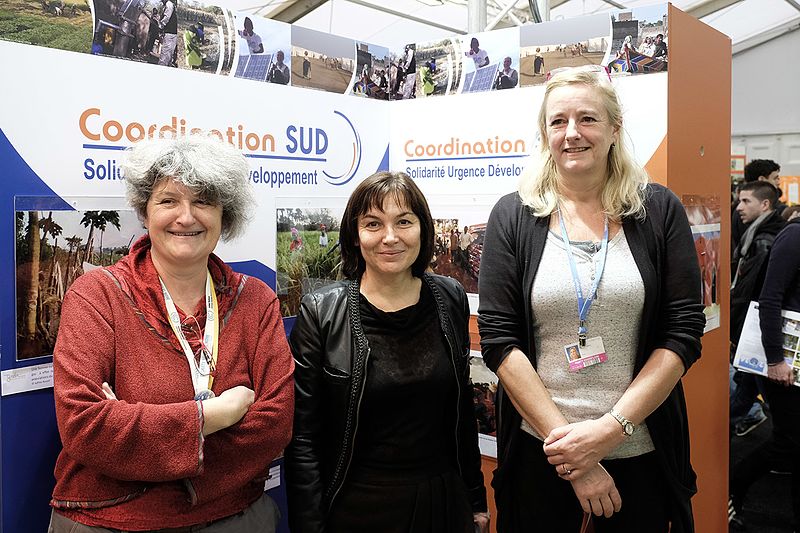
(623,191)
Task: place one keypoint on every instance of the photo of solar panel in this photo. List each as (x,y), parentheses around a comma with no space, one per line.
(481,80)
(241,66)
(256,68)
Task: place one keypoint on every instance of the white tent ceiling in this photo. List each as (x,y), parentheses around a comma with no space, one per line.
(395,22)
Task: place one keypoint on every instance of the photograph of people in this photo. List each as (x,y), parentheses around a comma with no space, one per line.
(480,57)
(385,438)
(507,77)
(172,375)
(587,228)
(252,39)
(278,71)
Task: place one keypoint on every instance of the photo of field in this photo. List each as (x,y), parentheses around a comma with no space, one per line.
(537,61)
(61,24)
(307,254)
(322,61)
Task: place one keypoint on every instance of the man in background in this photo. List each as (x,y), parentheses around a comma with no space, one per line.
(749,262)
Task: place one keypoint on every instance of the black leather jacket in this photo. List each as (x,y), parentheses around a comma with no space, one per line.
(331,353)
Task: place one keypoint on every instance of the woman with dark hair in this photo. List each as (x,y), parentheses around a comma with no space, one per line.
(385,437)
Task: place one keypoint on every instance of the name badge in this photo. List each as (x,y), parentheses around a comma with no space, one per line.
(580,357)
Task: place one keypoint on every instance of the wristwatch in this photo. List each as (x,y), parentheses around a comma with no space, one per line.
(628,427)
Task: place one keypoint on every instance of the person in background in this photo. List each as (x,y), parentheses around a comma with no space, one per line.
(756,209)
(479,57)
(306,66)
(756,170)
(279,71)
(169,26)
(172,375)
(660,47)
(538,63)
(780,291)
(323,236)
(385,438)
(508,77)
(254,44)
(607,433)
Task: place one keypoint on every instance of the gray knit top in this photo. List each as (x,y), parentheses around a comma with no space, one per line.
(615,316)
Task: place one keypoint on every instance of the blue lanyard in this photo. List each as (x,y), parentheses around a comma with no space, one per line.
(584,304)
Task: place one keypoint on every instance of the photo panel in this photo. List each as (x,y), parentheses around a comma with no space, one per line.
(264,49)
(639,44)
(373,63)
(307,248)
(171,33)
(321,60)
(554,45)
(704,217)
(53,247)
(60,24)
(403,73)
(490,61)
(438,66)
(484,392)
(459,226)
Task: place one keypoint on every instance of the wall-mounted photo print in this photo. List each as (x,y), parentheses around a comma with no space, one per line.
(484,393)
(565,43)
(321,60)
(438,66)
(307,255)
(53,248)
(403,73)
(372,71)
(704,218)
(187,35)
(61,24)
(491,61)
(264,49)
(458,245)
(640,40)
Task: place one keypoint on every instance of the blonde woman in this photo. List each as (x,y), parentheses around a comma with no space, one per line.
(588,256)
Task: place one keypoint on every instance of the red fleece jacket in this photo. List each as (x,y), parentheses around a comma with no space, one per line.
(141,462)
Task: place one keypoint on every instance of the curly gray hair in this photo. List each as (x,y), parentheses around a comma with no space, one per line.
(210,168)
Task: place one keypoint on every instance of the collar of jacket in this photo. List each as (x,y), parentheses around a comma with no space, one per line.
(359,378)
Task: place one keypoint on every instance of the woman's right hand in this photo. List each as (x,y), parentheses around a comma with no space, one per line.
(226,409)
(597,492)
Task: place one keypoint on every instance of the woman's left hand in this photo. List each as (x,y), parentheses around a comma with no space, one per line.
(576,448)
(481,520)
(108,392)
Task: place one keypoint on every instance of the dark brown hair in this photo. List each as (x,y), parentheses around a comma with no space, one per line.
(370,194)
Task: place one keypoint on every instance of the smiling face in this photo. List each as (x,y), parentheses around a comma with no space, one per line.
(389,239)
(579,132)
(184,229)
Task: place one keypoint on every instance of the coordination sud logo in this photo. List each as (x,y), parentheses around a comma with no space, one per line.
(300,155)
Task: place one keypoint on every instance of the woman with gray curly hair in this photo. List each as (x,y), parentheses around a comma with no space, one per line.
(173,378)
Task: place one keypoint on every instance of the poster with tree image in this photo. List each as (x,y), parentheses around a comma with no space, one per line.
(53,248)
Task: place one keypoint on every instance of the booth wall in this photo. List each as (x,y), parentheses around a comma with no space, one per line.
(698,163)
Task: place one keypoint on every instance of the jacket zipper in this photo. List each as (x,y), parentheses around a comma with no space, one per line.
(343,465)
(453,355)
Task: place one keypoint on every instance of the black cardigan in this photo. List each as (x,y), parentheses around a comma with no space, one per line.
(663,248)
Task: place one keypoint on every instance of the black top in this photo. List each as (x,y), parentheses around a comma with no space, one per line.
(781,289)
(403,427)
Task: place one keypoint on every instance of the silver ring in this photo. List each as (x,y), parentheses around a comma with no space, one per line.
(565,470)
